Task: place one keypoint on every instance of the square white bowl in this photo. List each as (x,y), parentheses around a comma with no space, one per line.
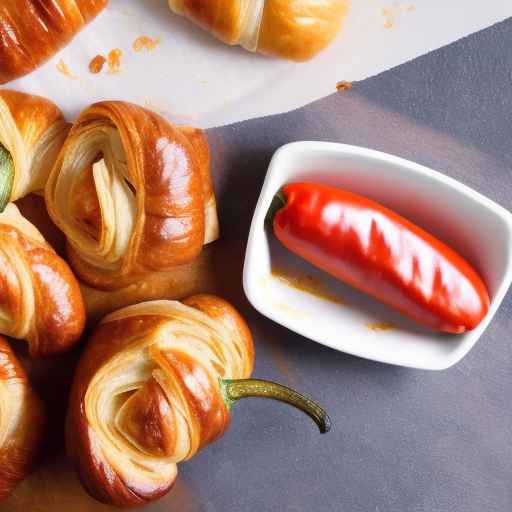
(475,226)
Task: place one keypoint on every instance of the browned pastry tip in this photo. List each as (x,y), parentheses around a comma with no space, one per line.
(22,422)
(32,31)
(40,299)
(284,28)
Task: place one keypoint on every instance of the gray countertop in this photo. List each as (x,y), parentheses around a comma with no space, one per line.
(403,440)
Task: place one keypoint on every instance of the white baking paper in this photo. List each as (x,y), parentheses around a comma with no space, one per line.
(192,78)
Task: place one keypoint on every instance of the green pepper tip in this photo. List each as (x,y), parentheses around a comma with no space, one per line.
(278,202)
(234,390)
(6,177)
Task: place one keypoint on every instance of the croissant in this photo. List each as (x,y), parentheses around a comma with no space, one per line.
(291,29)
(155,386)
(132,193)
(32,131)
(32,31)
(22,422)
(40,299)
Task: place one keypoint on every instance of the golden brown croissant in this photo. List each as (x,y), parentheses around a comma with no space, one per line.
(32,131)
(22,422)
(40,299)
(292,29)
(132,193)
(154,387)
(203,275)
(32,31)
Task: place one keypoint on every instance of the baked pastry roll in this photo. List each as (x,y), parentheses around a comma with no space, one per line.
(153,387)
(32,31)
(40,299)
(32,131)
(132,194)
(22,422)
(203,275)
(291,29)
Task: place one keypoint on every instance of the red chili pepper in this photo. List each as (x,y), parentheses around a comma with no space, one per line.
(379,252)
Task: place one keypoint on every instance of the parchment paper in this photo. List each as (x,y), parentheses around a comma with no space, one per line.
(192,78)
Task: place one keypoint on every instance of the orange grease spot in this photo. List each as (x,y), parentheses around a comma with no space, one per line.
(145,42)
(96,64)
(114,60)
(343,86)
(63,68)
(380,326)
(307,284)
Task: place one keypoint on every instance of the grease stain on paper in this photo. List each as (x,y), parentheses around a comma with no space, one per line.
(96,64)
(114,61)
(380,326)
(145,43)
(63,68)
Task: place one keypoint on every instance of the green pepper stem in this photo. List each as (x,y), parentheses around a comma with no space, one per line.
(6,177)
(242,388)
(278,202)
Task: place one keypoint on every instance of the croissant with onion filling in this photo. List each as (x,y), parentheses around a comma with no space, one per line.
(155,386)
(132,193)
(32,31)
(291,29)
(40,299)
(32,132)
(22,422)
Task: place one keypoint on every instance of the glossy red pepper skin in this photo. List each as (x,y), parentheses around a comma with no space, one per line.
(379,252)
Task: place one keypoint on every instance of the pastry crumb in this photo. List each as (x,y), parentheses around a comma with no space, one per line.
(63,68)
(96,64)
(343,86)
(114,61)
(145,43)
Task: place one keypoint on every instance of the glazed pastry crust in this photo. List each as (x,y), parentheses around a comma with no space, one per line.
(284,28)
(22,422)
(32,31)
(40,299)
(146,394)
(132,194)
(33,130)
(199,276)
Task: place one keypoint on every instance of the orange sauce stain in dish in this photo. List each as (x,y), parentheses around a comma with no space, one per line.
(114,60)
(380,326)
(305,283)
(96,64)
(145,43)
(62,67)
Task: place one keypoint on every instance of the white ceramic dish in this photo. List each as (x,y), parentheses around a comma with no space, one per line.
(475,226)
